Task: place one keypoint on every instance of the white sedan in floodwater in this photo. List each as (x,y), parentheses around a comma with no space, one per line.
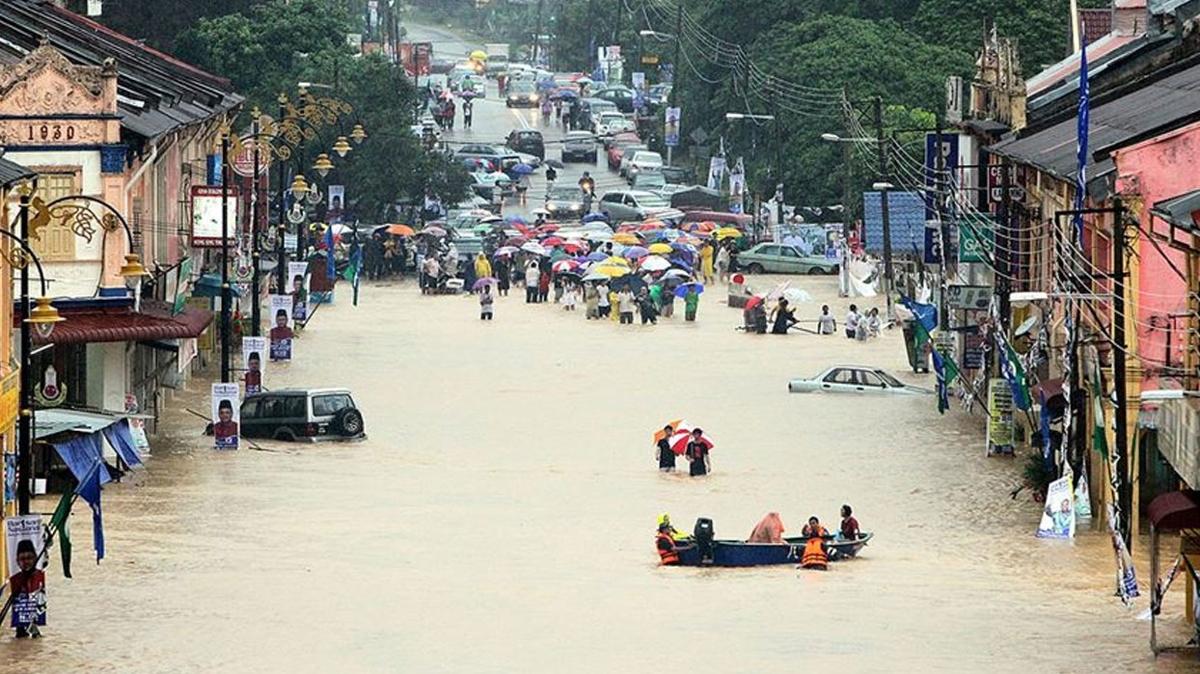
(855,379)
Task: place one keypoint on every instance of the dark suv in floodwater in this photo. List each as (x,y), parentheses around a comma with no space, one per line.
(302,414)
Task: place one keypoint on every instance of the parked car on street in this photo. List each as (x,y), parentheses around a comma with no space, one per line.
(302,414)
(611,123)
(479,151)
(627,156)
(564,202)
(774,257)
(854,379)
(647,181)
(528,141)
(644,161)
(580,146)
(676,175)
(632,205)
(618,145)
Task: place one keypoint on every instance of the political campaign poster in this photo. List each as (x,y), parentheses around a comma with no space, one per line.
(298,279)
(281,327)
(226,414)
(716,172)
(27,579)
(1000,417)
(10,479)
(1058,517)
(737,186)
(254,349)
(671,130)
(337,204)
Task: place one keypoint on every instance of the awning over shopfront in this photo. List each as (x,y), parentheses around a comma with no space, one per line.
(123,324)
(209,285)
(78,438)
(1175,511)
(1182,211)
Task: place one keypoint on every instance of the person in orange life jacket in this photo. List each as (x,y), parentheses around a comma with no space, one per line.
(667,553)
(814,556)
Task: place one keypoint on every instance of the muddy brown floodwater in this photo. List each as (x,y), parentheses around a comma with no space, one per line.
(500,517)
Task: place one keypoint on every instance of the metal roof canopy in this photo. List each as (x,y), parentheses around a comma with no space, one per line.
(52,421)
(11,172)
(1180,210)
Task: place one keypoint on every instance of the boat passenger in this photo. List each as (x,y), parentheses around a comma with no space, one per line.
(666,545)
(768,530)
(676,534)
(849,530)
(814,556)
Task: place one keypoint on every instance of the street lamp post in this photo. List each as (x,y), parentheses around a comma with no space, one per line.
(226,293)
(778,158)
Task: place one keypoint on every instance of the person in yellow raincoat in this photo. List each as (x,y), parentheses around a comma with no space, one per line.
(483,268)
(706,262)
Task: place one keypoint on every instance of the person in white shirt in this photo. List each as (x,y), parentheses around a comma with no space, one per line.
(531,282)
(625,305)
(605,307)
(852,319)
(826,323)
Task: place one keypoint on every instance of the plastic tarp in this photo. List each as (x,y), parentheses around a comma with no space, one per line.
(121,438)
(81,452)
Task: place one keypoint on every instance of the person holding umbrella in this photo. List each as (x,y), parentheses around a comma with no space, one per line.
(664,453)
(691,300)
(697,453)
(468,111)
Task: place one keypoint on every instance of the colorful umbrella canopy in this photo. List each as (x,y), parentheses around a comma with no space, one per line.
(479,55)
(635,252)
(649,226)
(564,266)
(660,249)
(618,261)
(754,302)
(675,273)
(683,435)
(523,169)
(609,270)
(468,94)
(534,247)
(706,226)
(551,241)
(506,250)
(491,218)
(626,238)
(549,228)
(797,296)
(684,288)
(727,233)
(661,434)
(400,230)
(516,241)
(597,257)
(655,264)
(573,247)
(595,217)
(485,281)
(434,231)
(516,220)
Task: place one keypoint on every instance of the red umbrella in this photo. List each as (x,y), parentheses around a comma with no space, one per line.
(552,241)
(516,241)
(549,228)
(572,247)
(682,436)
(753,302)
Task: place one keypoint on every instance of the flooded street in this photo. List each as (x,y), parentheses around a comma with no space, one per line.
(500,517)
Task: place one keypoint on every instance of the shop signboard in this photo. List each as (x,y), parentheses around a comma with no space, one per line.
(206,216)
(1000,417)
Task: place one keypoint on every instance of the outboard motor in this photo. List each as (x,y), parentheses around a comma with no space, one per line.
(704,539)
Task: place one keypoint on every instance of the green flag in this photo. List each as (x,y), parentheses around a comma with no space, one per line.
(58,524)
(1099,437)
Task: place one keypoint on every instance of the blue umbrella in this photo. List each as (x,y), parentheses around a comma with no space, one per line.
(597,256)
(566,93)
(523,169)
(595,217)
(515,220)
(682,289)
(681,263)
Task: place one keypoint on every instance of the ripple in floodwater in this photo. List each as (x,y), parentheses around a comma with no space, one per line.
(500,516)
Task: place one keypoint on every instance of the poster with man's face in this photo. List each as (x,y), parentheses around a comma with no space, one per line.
(281,327)
(27,580)
(337,203)
(254,352)
(226,413)
(298,289)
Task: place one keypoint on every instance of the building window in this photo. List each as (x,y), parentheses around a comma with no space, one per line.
(55,242)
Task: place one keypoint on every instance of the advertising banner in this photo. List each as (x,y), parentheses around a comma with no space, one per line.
(281,327)
(206,216)
(298,279)
(1058,517)
(226,414)
(716,172)
(27,582)
(253,350)
(337,204)
(671,130)
(1000,417)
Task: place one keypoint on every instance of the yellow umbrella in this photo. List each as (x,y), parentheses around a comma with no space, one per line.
(661,434)
(620,261)
(660,249)
(479,55)
(609,270)
(728,233)
(626,239)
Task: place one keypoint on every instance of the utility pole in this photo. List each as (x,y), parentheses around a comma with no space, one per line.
(537,39)
(1125,494)
(225,289)
(778,158)
(847,210)
(1003,245)
(256,304)
(676,73)
(280,243)
(888,275)
(25,420)
(943,228)
(617,30)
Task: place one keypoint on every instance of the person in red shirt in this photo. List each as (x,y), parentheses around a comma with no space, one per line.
(849,529)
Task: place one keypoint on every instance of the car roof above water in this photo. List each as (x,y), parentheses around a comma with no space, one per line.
(299,392)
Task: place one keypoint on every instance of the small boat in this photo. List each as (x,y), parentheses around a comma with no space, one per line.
(741,553)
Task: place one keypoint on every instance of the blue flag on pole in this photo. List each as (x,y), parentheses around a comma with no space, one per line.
(330,264)
(1081,141)
(89,490)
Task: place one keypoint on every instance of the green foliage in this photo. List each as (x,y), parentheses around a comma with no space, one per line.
(277,44)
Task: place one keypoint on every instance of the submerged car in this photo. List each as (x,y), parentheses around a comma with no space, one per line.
(855,379)
(783,259)
(302,414)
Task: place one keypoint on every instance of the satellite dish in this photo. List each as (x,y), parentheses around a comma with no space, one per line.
(1026,327)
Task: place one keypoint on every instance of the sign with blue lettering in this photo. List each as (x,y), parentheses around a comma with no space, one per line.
(906,219)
